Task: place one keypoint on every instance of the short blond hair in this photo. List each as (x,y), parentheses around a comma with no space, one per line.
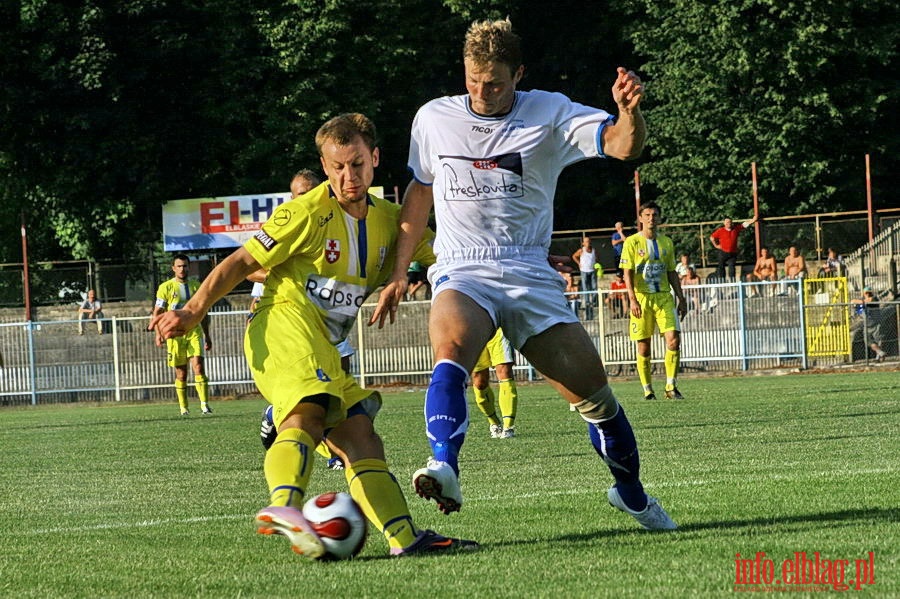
(493,41)
(307,176)
(344,128)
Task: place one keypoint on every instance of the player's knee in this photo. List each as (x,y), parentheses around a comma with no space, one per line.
(372,405)
(600,406)
(356,439)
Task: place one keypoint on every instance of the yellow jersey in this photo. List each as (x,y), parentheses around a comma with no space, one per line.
(318,255)
(651,260)
(173,295)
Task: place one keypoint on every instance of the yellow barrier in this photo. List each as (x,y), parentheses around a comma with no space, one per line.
(827,317)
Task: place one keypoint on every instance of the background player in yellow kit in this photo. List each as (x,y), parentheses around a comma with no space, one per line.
(498,353)
(190,348)
(648,261)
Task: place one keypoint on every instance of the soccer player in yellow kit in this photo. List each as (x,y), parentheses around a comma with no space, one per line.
(648,262)
(325,252)
(190,348)
(497,353)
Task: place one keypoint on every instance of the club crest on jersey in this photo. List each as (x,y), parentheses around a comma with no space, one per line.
(332,250)
(642,253)
(320,374)
(382,256)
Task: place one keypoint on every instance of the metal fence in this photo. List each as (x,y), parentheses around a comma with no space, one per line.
(729,328)
(811,234)
(875,263)
(53,283)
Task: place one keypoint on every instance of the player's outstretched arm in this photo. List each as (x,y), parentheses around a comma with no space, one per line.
(220,281)
(417,202)
(625,138)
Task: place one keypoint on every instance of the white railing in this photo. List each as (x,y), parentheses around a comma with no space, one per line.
(725,330)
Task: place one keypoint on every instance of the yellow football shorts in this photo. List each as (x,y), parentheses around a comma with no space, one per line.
(180,349)
(291,358)
(497,351)
(657,312)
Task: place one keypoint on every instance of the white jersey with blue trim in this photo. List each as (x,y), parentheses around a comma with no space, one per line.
(494,178)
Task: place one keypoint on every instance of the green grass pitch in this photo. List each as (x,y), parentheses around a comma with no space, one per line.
(135,501)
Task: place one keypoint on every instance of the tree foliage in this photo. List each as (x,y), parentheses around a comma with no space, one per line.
(110,109)
(802,88)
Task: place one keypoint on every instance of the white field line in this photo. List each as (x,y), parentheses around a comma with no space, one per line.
(574,491)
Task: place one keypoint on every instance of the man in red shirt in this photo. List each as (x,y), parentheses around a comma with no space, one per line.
(725,239)
(617,300)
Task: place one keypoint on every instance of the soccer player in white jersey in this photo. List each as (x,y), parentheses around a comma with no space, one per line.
(488,162)
(648,265)
(325,252)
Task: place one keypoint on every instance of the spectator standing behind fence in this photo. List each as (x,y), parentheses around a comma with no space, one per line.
(765,269)
(90,309)
(832,265)
(586,259)
(571,292)
(648,260)
(618,240)
(725,239)
(868,311)
(688,286)
(681,269)
(794,268)
(617,298)
(190,348)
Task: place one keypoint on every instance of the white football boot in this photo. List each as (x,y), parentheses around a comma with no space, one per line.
(289,522)
(438,481)
(652,517)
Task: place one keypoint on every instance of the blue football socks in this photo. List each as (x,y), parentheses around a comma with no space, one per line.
(447,412)
(614,442)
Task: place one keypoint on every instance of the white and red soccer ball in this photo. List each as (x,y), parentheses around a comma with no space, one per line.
(339,522)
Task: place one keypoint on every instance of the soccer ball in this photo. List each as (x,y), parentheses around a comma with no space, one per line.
(339,522)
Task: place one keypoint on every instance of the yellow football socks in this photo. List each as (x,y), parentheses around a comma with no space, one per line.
(673,360)
(288,466)
(181,394)
(509,402)
(323,450)
(644,369)
(381,500)
(202,384)
(484,399)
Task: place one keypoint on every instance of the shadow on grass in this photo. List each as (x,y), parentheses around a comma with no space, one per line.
(779,419)
(816,519)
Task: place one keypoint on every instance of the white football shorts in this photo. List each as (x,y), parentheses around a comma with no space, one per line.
(517,287)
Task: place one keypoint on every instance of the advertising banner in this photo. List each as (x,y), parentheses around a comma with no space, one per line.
(220,222)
